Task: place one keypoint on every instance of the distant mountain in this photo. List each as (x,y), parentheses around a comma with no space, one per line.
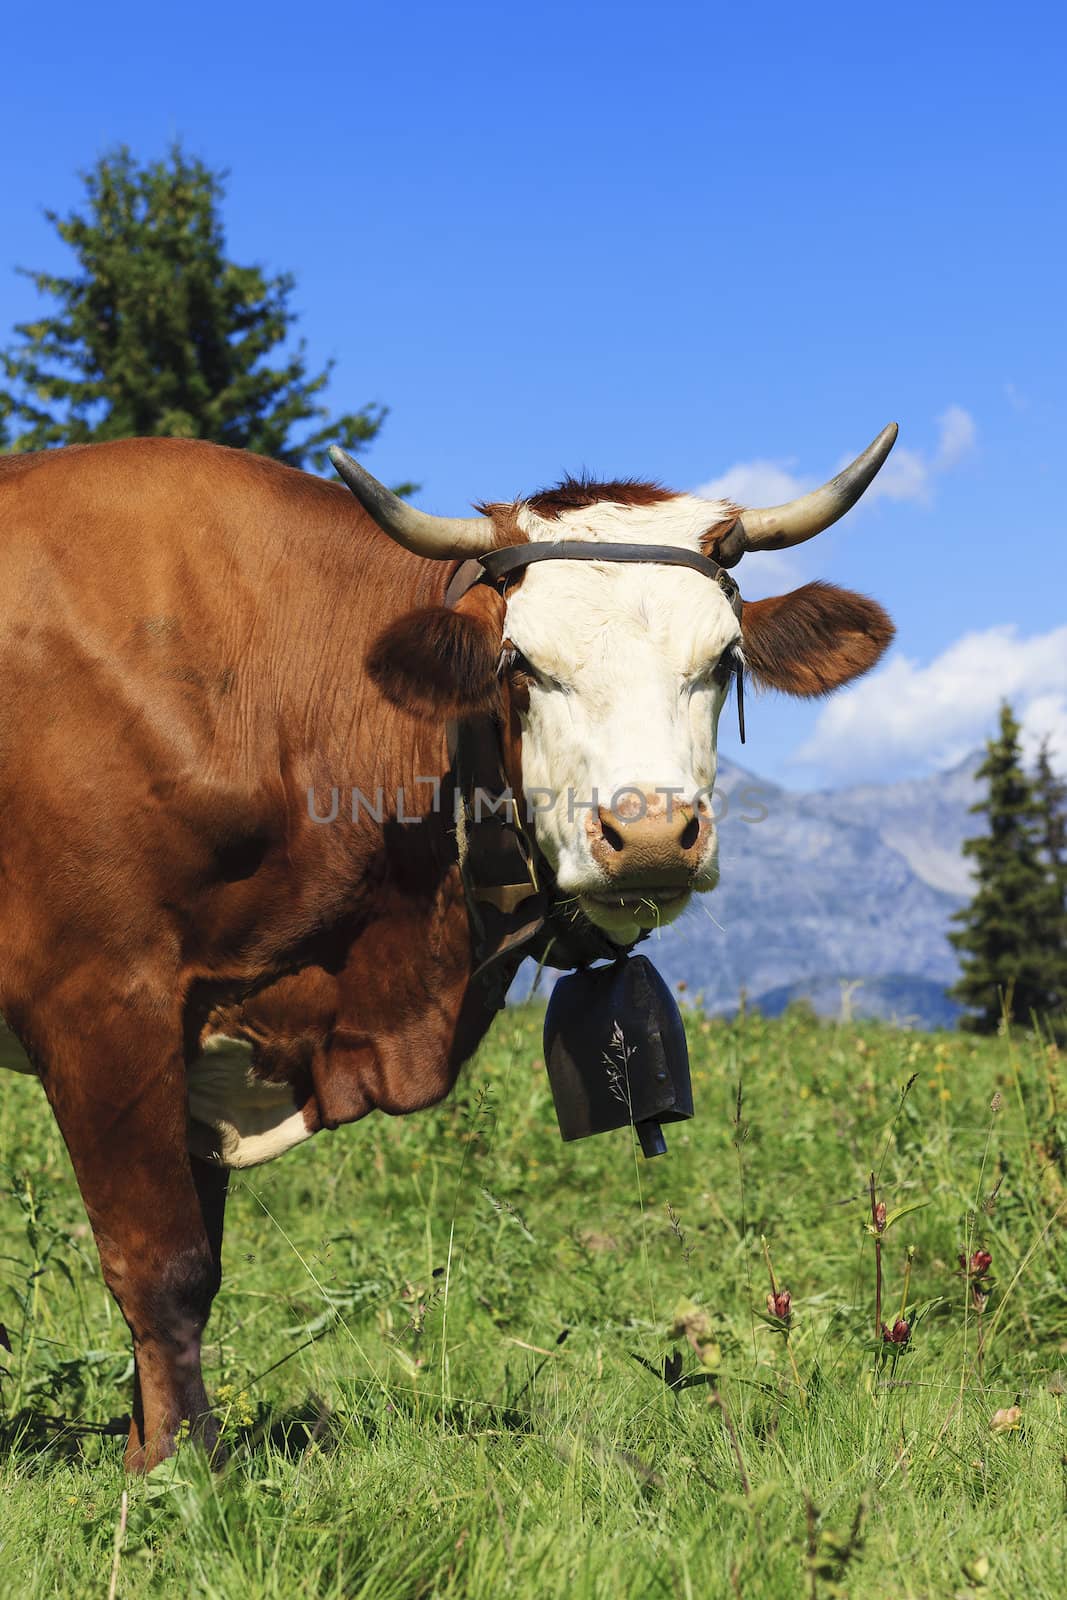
(901,999)
(926,819)
(825,888)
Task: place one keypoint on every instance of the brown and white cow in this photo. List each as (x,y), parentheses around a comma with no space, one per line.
(193,643)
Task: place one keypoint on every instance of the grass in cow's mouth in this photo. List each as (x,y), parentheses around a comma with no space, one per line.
(638,900)
(455,1357)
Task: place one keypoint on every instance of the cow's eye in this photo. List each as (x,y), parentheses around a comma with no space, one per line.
(729,664)
(512,659)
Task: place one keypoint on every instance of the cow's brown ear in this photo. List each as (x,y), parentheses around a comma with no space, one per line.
(812,641)
(438,663)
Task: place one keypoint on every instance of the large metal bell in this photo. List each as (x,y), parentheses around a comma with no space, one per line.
(616,1053)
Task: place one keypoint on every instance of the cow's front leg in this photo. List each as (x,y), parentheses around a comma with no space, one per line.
(212,1183)
(117,1087)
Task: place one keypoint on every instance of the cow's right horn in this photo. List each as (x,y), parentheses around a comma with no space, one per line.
(436,537)
(780,527)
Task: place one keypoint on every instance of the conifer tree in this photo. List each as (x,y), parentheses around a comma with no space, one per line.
(1010,935)
(157,331)
(1051,794)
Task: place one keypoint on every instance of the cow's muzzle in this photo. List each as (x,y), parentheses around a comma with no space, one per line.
(649,845)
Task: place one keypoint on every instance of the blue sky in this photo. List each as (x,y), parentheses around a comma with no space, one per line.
(694,242)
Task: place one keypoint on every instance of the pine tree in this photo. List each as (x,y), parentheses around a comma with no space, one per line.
(1010,934)
(1051,794)
(158,332)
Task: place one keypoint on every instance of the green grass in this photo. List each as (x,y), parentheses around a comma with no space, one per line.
(440,1346)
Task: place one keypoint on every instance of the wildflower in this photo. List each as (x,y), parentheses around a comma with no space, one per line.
(692,1323)
(899,1333)
(977,1266)
(879,1217)
(780,1304)
(1006,1419)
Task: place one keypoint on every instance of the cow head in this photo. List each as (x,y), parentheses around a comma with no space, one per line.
(613,676)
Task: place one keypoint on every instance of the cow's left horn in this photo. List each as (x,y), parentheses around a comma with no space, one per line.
(417,531)
(778,527)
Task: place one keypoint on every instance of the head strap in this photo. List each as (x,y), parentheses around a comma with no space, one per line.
(501,564)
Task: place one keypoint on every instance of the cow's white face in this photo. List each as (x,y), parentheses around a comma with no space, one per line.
(622,672)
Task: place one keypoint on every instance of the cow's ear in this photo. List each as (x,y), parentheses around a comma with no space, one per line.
(440,663)
(812,641)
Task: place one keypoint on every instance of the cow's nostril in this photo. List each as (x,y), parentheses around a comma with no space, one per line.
(690,833)
(612,835)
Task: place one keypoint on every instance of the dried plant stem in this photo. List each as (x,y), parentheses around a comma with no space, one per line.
(801,1391)
(770,1264)
(877,1268)
(739,1143)
(717,1400)
(907,1283)
(1043,1234)
(980,1312)
(120,1535)
(813,1545)
(968,1249)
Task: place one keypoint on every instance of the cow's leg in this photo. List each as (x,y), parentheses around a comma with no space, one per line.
(117,1087)
(212,1183)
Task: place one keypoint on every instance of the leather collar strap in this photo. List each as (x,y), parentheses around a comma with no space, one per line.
(500,564)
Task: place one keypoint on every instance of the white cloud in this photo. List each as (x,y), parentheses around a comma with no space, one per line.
(910,474)
(756,483)
(919,718)
(773,572)
(958,435)
(907,475)
(1046,718)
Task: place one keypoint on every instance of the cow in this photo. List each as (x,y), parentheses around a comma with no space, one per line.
(201,652)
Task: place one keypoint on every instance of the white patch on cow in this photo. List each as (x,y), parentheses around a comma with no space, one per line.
(625,698)
(235,1119)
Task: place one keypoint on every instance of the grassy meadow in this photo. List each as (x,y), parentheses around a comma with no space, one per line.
(456,1357)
